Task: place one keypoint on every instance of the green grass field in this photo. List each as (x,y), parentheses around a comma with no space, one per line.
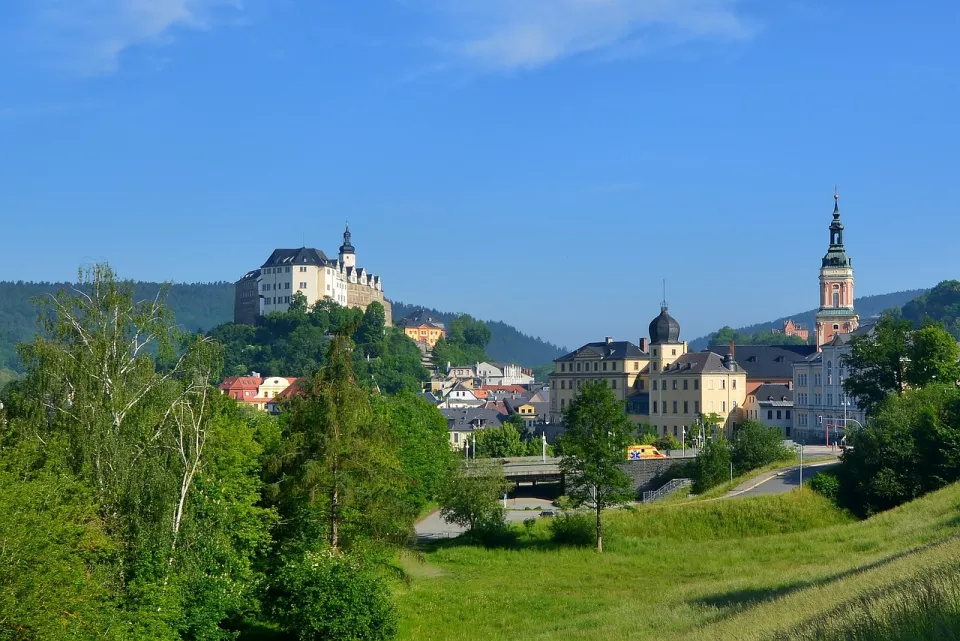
(777,567)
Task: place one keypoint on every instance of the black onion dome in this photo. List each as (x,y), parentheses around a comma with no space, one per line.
(664,328)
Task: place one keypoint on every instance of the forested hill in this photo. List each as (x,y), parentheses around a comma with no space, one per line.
(866,306)
(507,343)
(197,307)
(203,306)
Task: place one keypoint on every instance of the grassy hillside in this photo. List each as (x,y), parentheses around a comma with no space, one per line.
(866,306)
(779,567)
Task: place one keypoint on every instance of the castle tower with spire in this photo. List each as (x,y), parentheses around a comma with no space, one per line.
(348,255)
(836,314)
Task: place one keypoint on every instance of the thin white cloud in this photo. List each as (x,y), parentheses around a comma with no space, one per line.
(527,34)
(90,36)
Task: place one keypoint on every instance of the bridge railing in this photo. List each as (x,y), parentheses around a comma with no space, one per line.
(669,488)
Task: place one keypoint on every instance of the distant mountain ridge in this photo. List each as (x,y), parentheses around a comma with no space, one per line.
(866,307)
(203,306)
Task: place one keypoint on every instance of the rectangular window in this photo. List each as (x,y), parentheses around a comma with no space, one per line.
(596,367)
(674,407)
(710,405)
(563,367)
(578,366)
(604,366)
(778,415)
(696,383)
(287,270)
(636,365)
(696,407)
(769,415)
(734,383)
(303,285)
(563,385)
(674,383)
(654,384)
(830,399)
(709,383)
(613,366)
(723,406)
(655,406)
(723,383)
(675,432)
(685,383)
(303,269)
(286,285)
(614,383)
(686,407)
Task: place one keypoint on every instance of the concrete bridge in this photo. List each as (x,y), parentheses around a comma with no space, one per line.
(534,469)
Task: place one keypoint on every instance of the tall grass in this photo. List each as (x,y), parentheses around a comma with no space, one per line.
(789,567)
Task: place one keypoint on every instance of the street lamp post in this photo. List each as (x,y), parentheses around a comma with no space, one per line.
(466,449)
(543,438)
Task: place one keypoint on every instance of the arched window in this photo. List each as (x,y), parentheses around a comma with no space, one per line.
(829,372)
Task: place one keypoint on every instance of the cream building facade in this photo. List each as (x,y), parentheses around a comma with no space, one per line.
(309,272)
(662,384)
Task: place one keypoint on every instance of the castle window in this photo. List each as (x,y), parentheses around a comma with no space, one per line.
(696,407)
(674,352)
(604,366)
(655,406)
(654,351)
(578,366)
(696,383)
(654,385)
(596,367)
(674,384)
(614,381)
(686,382)
(723,383)
(686,407)
(613,366)
(734,383)
(674,407)
(636,365)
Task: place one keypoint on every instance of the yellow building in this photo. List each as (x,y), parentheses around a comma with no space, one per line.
(618,363)
(422,328)
(666,386)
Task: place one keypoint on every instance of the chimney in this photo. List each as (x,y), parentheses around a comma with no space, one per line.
(643,345)
(728,360)
(733,350)
(609,339)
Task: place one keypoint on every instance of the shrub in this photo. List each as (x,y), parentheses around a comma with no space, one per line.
(826,484)
(667,442)
(493,535)
(573,529)
(755,445)
(712,466)
(331,596)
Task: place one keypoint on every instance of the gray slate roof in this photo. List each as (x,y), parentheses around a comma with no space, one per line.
(616,350)
(774,395)
(301,256)
(419,318)
(699,362)
(463,420)
(768,362)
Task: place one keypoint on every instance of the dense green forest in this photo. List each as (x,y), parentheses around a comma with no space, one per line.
(199,307)
(866,306)
(196,306)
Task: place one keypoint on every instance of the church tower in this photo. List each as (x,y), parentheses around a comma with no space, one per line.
(836,314)
(348,255)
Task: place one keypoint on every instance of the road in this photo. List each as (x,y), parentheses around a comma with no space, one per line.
(776,482)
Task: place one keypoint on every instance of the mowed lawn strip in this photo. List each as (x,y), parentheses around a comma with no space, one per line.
(668,571)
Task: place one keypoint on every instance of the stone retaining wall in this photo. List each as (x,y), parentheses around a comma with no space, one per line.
(650,474)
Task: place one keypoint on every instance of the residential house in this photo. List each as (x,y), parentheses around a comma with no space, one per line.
(422,328)
(792,329)
(503,374)
(260,393)
(460,396)
(462,422)
(771,405)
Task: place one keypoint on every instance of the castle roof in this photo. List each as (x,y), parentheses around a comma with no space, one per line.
(664,328)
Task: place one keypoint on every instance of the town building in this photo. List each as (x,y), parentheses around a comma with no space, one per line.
(309,272)
(462,422)
(661,383)
(771,405)
(247,300)
(836,314)
(618,363)
(423,329)
(503,374)
(767,364)
(822,410)
(686,388)
(257,392)
(792,329)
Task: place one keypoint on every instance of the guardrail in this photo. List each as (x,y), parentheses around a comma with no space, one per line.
(669,488)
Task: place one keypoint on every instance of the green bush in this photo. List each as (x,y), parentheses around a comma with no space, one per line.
(334,597)
(573,529)
(826,484)
(493,535)
(756,445)
(712,466)
(667,442)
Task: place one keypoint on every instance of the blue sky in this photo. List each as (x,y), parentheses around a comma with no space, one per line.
(544,162)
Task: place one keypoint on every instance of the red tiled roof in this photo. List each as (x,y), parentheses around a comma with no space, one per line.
(294,389)
(518,389)
(240,383)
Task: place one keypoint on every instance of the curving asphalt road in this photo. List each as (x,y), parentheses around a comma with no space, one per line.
(778,482)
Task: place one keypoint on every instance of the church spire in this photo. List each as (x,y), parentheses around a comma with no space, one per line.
(347,247)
